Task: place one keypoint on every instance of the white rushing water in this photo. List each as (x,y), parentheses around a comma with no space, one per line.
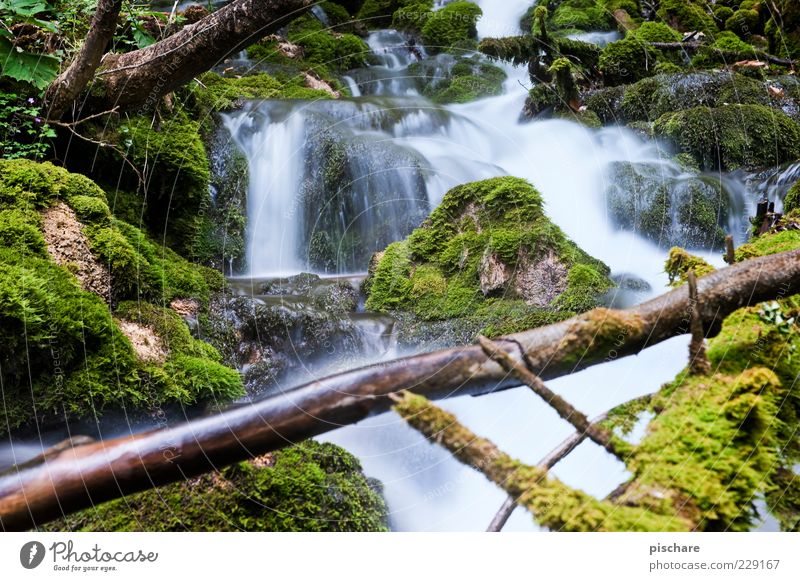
(426,489)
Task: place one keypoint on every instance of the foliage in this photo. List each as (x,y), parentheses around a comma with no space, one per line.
(792,199)
(25,59)
(308,487)
(22,131)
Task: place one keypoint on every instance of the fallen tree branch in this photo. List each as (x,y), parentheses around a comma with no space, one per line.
(69,84)
(82,476)
(563,408)
(552,503)
(138,79)
(548,462)
(694,46)
(698,360)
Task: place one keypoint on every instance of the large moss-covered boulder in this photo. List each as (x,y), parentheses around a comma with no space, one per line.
(487,249)
(67,350)
(311,487)
(667,206)
(732,137)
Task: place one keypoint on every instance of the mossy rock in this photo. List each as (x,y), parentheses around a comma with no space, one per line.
(585,15)
(310,487)
(792,200)
(650,98)
(487,243)
(468,79)
(732,137)
(687,15)
(666,207)
(451,26)
(64,355)
(321,46)
(627,61)
(655,32)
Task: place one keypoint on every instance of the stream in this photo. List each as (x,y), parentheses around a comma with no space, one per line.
(401,153)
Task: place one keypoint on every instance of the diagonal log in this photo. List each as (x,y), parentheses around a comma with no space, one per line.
(72,81)
(138,79)
(81,476)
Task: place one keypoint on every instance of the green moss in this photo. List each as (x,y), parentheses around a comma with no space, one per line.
(435,273)
(451,25)
(769,244)
(627,61)
(323,47)
(712,444)
(680,263)
(585,15)
(192,371)
(378,13)
(792,199)
(468,79)
(584,285)
(20,230)
(732,137)
(655,32)
(216,93)
(744,23)
(63,355)
(309,487)
(686,15)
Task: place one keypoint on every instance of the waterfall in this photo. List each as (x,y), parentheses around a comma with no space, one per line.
(333,181)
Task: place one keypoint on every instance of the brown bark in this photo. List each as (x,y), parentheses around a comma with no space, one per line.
(93,473)
(63,92)
(138,79)
(698,361)
(563,408)
(696,45)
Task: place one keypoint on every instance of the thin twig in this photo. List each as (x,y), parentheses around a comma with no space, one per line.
(597,434)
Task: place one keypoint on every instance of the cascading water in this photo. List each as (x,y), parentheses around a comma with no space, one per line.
(374,164)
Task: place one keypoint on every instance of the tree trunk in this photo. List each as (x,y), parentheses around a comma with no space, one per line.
(64,91)
(138,79)
(84,475)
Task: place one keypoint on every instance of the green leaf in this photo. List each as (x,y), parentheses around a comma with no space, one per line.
(142,38)
(23,7)
(37,69)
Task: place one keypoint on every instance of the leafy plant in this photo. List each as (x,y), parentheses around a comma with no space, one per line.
(773,314)
(24,64)
(22,132)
